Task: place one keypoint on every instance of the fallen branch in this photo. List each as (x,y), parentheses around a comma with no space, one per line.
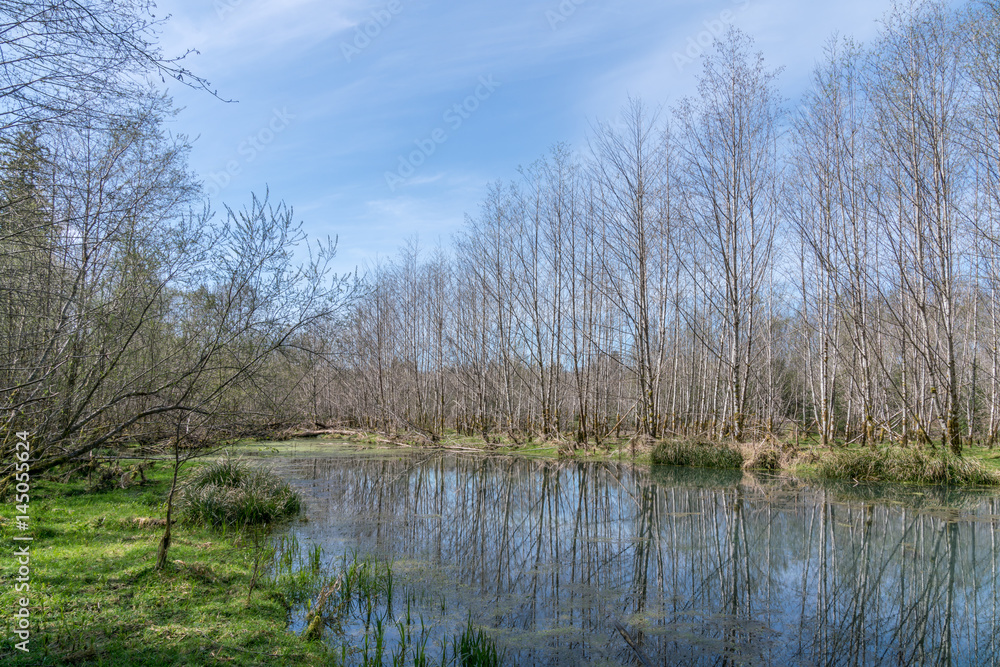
(635,647)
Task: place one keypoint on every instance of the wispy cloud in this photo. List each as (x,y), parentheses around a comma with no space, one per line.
(237,33)
(355,117)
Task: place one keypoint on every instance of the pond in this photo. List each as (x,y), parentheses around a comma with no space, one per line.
(696,567)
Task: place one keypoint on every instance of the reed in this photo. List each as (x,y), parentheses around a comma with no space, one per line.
(232,493)
(697,454)
(476,648)
(895,464)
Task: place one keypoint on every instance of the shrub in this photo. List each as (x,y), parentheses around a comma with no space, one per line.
(232,493)
(894,464)
(698,454)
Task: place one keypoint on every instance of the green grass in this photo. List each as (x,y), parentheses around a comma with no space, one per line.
(96,599)
(697,454)
(233,493)
(988,458)
(474,648)
(895,464)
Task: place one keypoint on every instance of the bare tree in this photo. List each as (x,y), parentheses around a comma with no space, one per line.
(917,90)
(729,151)
(631,169)
(78,62)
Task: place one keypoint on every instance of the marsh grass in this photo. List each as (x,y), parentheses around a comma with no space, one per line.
(697,454)
(895,464)
(349,609)
(476,648)
(768,455)
(233,493)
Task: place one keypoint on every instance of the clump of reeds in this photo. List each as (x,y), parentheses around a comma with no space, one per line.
(768,455)
(232,493)
(896,464)
(475,647)
(697,454)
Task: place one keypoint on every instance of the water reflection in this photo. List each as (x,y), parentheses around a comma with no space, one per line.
(701,568)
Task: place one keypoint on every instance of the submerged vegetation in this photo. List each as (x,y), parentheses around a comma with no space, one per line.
(558,550)
(351,610)
(226,594)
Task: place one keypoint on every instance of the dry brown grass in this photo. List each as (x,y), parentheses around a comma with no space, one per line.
(767,455)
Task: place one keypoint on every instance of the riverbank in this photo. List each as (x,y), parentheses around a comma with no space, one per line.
(804,458)
(95,597)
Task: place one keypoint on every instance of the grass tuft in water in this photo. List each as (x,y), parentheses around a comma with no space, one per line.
(895,464)
(233,493)
(475,648)
(697,454)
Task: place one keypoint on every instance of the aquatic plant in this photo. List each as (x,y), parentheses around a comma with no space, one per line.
(896,464)
(475,648)
(697,453)
(232,493)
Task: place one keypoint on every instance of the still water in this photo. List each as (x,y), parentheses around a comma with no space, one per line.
(699,567)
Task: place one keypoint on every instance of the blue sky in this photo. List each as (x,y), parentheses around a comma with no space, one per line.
(444,97)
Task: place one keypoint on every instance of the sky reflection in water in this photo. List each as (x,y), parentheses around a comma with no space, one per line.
(701,567)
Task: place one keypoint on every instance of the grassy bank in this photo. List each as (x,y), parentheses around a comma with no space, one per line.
(96,598)
(894,464)
(978,466)
(697,454)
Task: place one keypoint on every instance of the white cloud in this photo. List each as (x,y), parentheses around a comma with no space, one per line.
(244,31)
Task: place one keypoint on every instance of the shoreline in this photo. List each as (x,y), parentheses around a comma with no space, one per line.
(96,597)
(803,460)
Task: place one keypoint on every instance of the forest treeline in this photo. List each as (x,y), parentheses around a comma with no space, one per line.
(729,266)
(130,312)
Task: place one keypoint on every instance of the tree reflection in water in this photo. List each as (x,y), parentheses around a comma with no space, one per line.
(704,568)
